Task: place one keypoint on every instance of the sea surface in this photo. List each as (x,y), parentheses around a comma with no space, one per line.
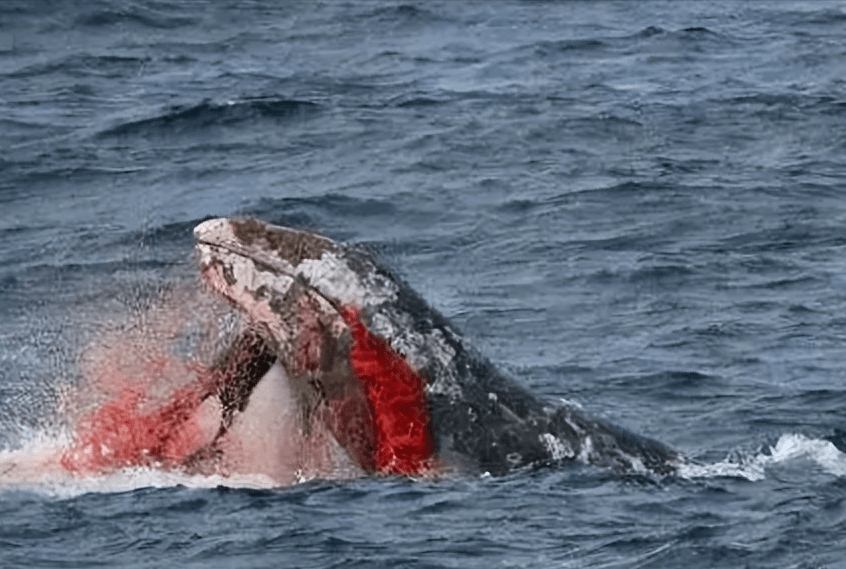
(639,207)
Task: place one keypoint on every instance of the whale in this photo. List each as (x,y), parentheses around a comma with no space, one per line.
(360,361)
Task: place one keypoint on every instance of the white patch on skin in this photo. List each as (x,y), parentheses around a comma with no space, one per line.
(334,278)
(422,351)
(381,325)
(439,348)
(557,448)
(637,465)
(446,382)
(212,229)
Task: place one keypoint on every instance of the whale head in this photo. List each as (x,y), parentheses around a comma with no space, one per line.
(264,269)
(308,298)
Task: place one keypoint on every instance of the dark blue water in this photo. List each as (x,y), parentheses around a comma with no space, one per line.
(636,206)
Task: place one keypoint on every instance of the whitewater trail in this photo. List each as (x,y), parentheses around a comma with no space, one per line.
(35,467)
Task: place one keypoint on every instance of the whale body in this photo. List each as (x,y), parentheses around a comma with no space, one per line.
(387,377)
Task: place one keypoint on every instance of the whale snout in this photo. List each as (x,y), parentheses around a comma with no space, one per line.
(213,231)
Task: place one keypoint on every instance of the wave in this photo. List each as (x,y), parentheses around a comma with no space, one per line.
(206,114)
(133,15)
(418,101)
(328,214)
(404,14)
(677,43)
(35,468)
(81,65)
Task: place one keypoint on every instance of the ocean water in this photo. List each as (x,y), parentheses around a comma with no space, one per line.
(635,206)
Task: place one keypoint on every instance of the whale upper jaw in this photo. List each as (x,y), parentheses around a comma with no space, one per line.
(260,269)
(278,248)
(255,257)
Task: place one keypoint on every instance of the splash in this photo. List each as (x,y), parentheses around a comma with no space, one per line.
(139,403)
(34,468)
(789,448)
(138,429)
(146,405)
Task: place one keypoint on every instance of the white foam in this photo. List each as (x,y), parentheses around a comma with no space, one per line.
(790,448)
(36,468)
(823,452)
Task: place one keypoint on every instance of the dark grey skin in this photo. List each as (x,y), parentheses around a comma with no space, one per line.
(497,426)
(481,420)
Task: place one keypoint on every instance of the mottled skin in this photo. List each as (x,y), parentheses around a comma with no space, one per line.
(294,286)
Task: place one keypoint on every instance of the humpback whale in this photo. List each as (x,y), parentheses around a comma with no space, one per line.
(336,369)
(363,359)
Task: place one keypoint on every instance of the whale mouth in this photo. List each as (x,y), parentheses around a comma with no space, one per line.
(257,268)
(305,297)
(270,421)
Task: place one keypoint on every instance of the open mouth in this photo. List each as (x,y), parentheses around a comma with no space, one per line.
(302,298)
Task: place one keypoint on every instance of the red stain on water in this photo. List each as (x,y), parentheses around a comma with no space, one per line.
(395,393)
(137,428)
